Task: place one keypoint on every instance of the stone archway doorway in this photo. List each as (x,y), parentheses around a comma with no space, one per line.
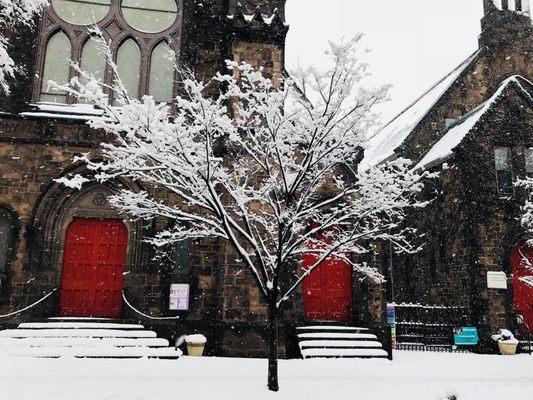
(94,260)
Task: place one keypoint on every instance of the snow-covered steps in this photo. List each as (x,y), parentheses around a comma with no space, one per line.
(331,328)
(335,341)
(344,353)
(93,352)
(84,338)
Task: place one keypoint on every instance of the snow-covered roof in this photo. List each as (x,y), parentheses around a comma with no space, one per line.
(383,145)
(458,131)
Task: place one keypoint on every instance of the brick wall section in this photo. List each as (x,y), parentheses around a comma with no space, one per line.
(225,302)
(32,155)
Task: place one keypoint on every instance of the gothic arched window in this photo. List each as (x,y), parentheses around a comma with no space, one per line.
(129,66)
(132,27)
(93,60)
(56,67)
(161,83)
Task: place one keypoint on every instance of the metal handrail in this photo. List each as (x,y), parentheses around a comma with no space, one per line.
(28,307)
(143,314)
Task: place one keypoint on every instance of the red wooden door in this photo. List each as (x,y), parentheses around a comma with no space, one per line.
(93,268)
(522,264)
(328,289)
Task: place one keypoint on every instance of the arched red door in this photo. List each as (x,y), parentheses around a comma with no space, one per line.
(522,265)
(327,291)
(93,268)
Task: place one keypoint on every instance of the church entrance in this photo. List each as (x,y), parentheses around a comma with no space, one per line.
(522,265)
(327,291)
(93,268)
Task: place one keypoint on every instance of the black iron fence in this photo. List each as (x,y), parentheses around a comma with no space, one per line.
(428,328)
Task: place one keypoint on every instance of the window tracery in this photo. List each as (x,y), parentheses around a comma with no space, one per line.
(145,31)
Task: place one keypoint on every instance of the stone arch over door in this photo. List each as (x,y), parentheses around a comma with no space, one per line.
(59,206)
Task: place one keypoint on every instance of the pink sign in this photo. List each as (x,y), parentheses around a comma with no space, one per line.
(179,296)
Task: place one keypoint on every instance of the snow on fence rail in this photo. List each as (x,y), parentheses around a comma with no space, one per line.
(423,306)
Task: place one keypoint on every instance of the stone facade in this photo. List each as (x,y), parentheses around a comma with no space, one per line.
(468,228)
(38,148)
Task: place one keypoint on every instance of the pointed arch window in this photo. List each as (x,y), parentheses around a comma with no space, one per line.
(129,66)
(93,60)
(161,82)
(56,67)
(142,59)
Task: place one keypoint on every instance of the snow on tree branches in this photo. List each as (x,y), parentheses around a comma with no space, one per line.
(269,165)
(527,210)
(13,13)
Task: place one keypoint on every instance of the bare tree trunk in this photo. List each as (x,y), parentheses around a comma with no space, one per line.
(273,384)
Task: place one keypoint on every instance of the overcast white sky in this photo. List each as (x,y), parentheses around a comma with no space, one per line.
(414,42)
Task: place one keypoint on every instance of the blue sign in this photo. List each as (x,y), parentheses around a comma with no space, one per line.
(465,336)
(391,314)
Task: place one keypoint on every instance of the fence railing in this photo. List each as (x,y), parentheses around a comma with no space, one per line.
(426,327)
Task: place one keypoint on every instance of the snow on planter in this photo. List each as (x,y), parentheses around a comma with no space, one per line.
(197,339)
(505,336)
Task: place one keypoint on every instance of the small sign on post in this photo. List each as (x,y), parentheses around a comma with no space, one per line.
(496,280)
(179,296)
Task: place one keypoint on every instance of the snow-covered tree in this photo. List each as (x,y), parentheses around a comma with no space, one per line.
(527,209)
(268,165)
(527,223)
(14,13)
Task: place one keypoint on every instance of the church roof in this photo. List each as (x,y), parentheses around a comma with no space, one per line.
(444,148)
(383,145)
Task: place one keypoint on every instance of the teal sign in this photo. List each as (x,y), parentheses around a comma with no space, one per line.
(391,314)
(465,336)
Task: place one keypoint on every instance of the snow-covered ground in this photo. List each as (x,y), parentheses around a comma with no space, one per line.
(412,376)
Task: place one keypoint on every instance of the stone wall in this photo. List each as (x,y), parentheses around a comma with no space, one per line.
(225,303)
(468,228)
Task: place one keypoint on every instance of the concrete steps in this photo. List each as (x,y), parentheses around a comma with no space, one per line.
(84,338)
(335,341)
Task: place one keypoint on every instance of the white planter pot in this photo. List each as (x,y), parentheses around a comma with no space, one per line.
(507,349)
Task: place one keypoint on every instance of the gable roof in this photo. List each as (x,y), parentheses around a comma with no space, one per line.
(444,148)
(382,146)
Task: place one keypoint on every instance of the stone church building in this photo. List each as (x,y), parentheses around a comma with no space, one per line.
(72,243)
(94,264)
(475,128)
